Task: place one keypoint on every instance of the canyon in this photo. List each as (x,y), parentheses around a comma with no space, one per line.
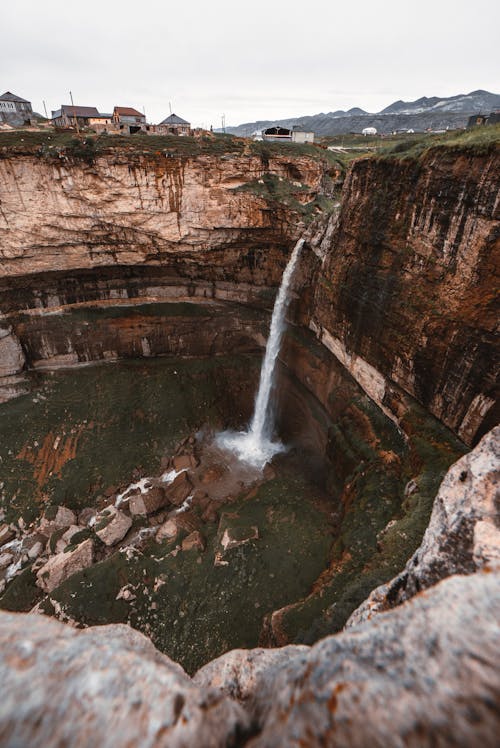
(135,294)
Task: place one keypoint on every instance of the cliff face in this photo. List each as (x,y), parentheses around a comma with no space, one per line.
(405,294)
(137,226)
(131,209)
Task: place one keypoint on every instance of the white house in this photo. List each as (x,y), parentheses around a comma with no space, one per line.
(369,131)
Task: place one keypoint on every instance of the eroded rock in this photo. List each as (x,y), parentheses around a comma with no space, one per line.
(105,686)
(178,491)
(148,502)
(112,525)
(55,518)
(58,568)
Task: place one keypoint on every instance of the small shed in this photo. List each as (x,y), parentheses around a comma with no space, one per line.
(300,135)
(174,125)
(369,131)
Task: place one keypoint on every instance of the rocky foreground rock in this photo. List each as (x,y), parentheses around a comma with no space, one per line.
(422,673)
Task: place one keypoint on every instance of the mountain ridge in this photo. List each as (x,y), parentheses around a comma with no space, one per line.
(424,113)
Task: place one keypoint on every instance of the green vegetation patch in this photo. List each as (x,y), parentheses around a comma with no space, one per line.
(193,609)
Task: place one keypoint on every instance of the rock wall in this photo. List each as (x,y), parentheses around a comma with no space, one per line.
(405,294)
(134,209)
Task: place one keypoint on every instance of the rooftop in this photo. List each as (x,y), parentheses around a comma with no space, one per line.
(8,96)
(127,111)
(173,119)
(77,111)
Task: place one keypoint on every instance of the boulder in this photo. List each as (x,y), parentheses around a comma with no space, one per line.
(112,525)
(105,686)
(463,534)
(66,538)
(178,491)
(6,559)
(193,540)
(58,568)
(55,518)
(167,531)
(425,673)
(149,501)
(184,462)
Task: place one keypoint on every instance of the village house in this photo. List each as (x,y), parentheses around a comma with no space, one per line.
(69,115)
(15,109)
(128,119)
(173,125)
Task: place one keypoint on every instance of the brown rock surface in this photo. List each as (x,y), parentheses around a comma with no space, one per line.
(406,292)
(178,491)
(149,501)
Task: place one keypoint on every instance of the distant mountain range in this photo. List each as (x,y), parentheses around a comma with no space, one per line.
(434,113)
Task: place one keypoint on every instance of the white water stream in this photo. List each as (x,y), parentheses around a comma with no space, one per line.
(255,445)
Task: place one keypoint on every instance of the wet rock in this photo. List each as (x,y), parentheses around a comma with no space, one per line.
(55,518)
(105,686)
(63,565)
(112,525)
(6,534)
(422,674)
(212,474)
(177,492)
(150,501)
(194,540)
(462,535)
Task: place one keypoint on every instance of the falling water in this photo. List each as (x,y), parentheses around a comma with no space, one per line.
(255,445)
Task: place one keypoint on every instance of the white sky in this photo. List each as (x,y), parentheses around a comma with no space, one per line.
(248,60)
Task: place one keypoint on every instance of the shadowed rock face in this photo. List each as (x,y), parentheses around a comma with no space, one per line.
(406,292)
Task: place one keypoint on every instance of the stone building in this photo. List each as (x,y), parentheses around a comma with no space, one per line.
(15,110)
(128,120)
(173,125)
(69,115)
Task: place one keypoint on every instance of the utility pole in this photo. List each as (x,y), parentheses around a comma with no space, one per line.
(74,114)
(45,109)
(170,107)
(223,122)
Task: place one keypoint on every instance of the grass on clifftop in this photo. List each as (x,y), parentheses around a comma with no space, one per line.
(89,146)
(480,140)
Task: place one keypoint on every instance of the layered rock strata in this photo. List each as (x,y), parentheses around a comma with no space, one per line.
(405,295)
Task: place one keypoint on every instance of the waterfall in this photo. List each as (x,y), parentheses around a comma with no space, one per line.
(255,445)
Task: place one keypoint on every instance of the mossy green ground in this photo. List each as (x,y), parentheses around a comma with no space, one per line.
(194,610)
(109,420)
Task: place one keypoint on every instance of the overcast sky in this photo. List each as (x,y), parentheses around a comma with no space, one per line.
(247,60)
